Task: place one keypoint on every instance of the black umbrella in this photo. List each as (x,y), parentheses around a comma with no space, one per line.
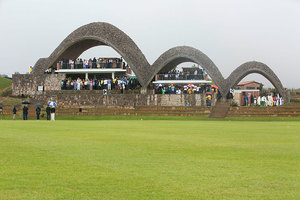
(16,105)
(39,105)
(25,102)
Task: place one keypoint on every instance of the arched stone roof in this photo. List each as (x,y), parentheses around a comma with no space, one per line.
(95,34)
(255,67)
(181,54)
(99,33)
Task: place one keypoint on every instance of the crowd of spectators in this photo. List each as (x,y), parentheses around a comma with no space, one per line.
(185,89)
(94,63)
(191,74)
(99,84)
(206,90)
(269,100)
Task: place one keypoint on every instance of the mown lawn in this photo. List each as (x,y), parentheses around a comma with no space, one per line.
(149,159)
(4,82)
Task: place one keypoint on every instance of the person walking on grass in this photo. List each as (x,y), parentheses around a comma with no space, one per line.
(53,113)
(38,112)
(14,113)
(48,110)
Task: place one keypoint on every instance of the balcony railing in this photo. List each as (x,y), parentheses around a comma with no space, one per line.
(180,77)
(92,66)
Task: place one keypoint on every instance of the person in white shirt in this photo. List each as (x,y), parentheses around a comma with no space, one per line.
(197,89)
(108,84)
(258,100)
(270,100)
(263,100)
(185,89)
(78,83)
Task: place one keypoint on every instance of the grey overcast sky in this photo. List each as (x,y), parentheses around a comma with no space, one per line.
(230,32)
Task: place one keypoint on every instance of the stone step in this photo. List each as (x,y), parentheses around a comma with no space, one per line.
(220,110)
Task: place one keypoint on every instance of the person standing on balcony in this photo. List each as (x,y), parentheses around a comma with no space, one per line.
(94,63)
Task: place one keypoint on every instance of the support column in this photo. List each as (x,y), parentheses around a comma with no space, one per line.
(86,76)
(113,75)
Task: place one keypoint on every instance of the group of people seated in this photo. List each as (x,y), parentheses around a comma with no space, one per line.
(94,63)
(121,83)
(192,74)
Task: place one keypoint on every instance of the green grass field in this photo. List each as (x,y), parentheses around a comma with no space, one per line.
(4,82)
(149,159)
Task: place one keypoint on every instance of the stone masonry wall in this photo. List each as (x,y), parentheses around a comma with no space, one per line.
(53,82)
(25,84)
(96,98)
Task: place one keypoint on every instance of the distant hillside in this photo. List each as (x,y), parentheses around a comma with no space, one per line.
(5,86)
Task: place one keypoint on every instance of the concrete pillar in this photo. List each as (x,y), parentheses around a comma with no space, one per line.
(86,76)
(113,75)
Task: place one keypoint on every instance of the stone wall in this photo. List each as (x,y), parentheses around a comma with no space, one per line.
(23,84)
(96,98)
(26,84)
(53,82)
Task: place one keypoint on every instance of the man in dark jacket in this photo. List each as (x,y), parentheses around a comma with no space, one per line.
(25,113)
(1,112)
(38,112)
(48,112)
(14,113)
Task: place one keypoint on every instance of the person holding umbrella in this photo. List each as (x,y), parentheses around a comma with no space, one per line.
(52,110)
(25,109)
(48,110)
(53,113)
(38,112)
(25,112)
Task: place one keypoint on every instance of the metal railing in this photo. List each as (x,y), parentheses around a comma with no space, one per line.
(109,65)
(180,77)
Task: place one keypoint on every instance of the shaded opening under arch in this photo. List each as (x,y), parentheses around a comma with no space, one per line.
(83,49)
(107,68)
(253,85)
(182,74)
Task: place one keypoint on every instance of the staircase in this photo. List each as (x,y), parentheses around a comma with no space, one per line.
(220,110)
